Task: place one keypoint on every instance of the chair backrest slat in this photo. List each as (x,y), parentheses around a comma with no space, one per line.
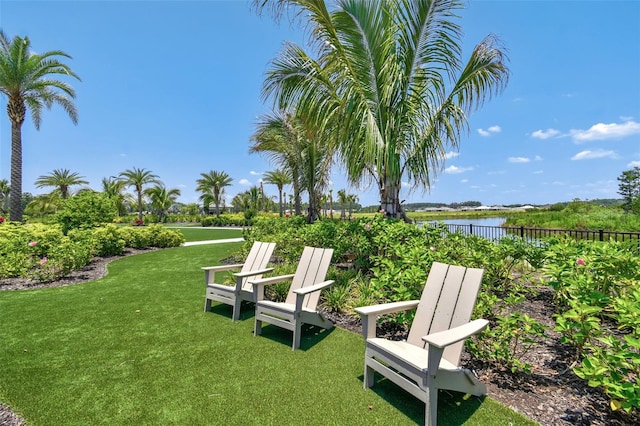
(447,301)
(258,258)
(312,269)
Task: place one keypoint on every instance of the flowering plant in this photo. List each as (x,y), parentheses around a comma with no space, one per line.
(1,219)
(139,222)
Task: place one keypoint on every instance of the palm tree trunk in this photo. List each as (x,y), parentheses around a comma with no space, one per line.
(390,201)
(15,196)
(280,200)
(139,204)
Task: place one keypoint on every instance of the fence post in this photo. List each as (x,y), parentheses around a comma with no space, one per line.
(471,228)
(521,231)
(601,234)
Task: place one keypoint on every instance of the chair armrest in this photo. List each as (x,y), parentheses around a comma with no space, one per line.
(370,314)
(387,308)
(445,338)
(222,267)
(316,287)
(252,273)
(210,271)
(271,280)
(302,292)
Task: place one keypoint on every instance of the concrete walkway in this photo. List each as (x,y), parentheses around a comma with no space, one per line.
(200,243)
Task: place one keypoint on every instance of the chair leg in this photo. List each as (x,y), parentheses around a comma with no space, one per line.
(431,407)
(296,335)
(368,375)
(207,305)
(236,309)
(257,328)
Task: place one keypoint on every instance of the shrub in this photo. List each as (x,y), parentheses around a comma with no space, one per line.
(86,210)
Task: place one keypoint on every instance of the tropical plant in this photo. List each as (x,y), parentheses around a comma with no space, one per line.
(61,180)
(43,205)
(280,178)
(138,178)
(5,190)
(388,85)
(114,188)
(342,200)
(162,199)
(27,80)
(212,185)
(277,137)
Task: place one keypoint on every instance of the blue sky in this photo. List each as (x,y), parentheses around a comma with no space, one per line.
(174,87)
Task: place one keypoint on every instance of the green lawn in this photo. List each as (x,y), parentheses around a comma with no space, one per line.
(135,347)
(204,234)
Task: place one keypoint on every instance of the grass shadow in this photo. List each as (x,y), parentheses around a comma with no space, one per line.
(454,408)
(311,335)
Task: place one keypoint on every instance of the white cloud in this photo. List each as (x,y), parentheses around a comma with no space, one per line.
(590,155)
(545,134)
(453,170)
(405,184)
(537,158)
(464,180)
(603,131)
(254,173)
(489,131)
(451,154)
(538,172)
(518,160)
(634,164)
(244,182)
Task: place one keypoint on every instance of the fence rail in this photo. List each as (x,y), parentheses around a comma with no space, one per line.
(497,232)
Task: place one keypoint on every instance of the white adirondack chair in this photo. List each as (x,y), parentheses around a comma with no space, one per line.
(429,359)
(301,303)
(254,266)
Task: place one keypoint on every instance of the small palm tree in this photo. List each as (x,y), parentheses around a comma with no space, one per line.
(280,178)
(342,200)
(114,188)
(212,185)
(27,80)
(162,199)
(61,180)
(138,178)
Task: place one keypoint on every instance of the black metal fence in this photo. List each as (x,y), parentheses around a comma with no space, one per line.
(537,234)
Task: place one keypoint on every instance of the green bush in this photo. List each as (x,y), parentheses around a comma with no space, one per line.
(86,210)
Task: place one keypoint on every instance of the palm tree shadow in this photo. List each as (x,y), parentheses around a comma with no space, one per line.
(454,408)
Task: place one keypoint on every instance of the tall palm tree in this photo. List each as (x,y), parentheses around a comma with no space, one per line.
(5,190)
(137,178)
(61,180)
(212,185)
(162,199)
(388,82)
(114,189)
(280,178)
(27,80)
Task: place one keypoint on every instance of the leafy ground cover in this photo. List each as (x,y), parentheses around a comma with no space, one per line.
(135,347)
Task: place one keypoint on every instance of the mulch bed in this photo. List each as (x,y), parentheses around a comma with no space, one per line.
(551,395)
